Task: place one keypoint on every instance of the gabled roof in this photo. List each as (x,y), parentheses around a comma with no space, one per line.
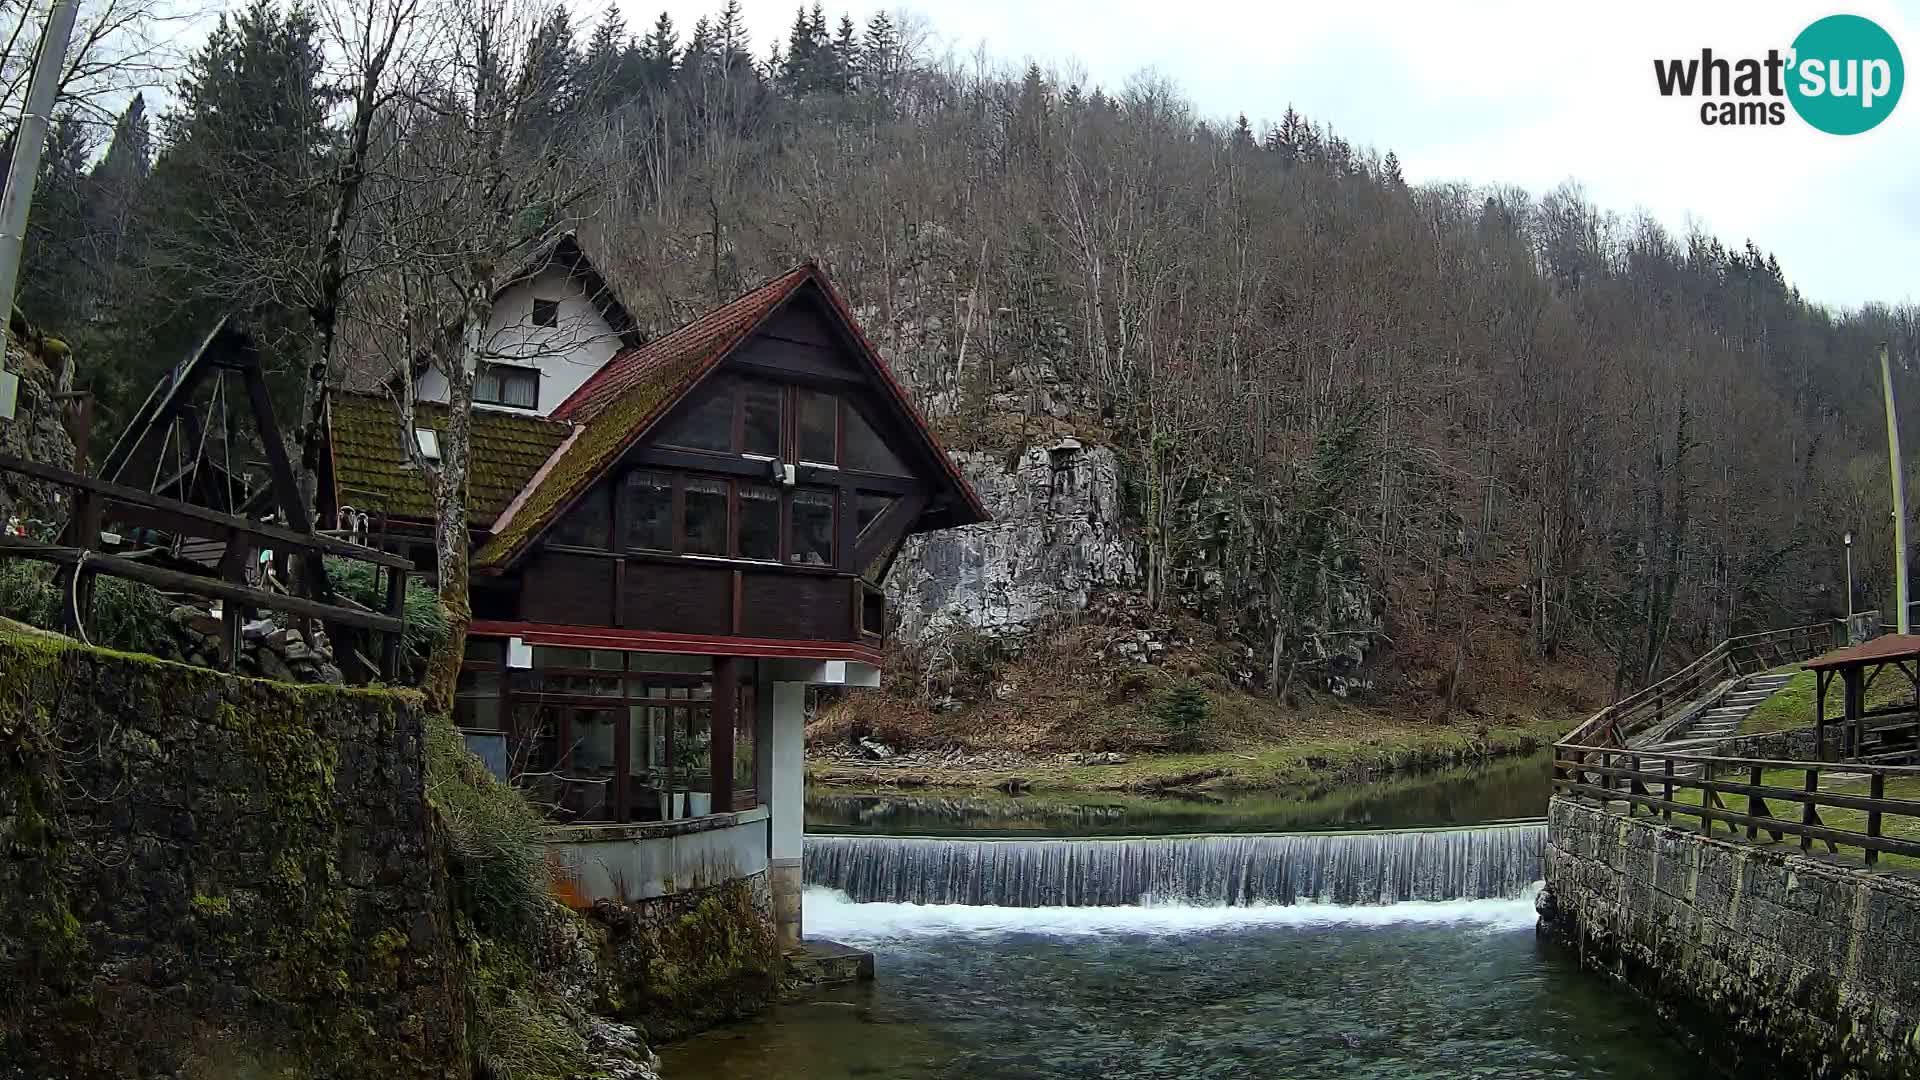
(372,471)
(619,403)
(563,251)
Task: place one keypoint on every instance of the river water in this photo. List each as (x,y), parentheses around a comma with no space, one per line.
(1193,956)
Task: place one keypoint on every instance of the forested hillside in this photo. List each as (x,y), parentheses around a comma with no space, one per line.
(1518,429)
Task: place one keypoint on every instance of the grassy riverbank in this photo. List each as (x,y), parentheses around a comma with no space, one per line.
(1334,751)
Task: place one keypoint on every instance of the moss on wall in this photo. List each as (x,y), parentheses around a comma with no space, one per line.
(689,961)
(209,876)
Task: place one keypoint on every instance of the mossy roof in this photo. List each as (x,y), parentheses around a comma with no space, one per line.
(371,469)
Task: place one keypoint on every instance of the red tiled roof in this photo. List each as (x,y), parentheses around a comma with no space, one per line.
(702,341)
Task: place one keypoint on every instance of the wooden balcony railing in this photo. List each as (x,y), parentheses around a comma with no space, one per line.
(1861,810)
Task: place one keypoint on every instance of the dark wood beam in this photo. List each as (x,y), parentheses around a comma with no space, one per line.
(211,524)
(198,584)
(889,527)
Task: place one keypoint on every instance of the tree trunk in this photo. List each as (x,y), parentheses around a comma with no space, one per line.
(452,547)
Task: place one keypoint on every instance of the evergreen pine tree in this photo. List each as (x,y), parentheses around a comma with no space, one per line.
(55,268)
(730,40)
(550,74)
(878,55)
(846,53)
(1242,138)
(1390,170)
(601,79)
(659,52)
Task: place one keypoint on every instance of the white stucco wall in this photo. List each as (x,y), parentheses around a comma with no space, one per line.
(566,353)
(635,862)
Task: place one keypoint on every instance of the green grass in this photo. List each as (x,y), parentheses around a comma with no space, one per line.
(1891,825)
(1791,706)
(1290,764)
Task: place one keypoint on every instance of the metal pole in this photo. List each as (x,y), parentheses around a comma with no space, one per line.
(1899,495)
(30,139)
(1849,583)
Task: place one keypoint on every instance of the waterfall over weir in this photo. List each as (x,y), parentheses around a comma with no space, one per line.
(1338,868)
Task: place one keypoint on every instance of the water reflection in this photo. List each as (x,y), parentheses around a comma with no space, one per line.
(1502,791)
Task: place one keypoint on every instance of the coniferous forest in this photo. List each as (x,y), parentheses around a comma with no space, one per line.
(1525,427)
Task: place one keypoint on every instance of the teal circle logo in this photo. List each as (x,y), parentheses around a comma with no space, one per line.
(1847,74)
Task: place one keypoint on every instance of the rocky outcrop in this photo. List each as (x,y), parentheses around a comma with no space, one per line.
(267,649)
(1055,540)
(35,433)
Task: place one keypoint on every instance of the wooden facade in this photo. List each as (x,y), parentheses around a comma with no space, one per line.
(729,495)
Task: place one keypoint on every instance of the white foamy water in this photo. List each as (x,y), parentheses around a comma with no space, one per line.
(831,914)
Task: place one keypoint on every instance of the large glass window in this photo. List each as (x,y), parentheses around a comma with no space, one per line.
(706,516)
(865,450)
(707,422)
(816,423)
(745,749)
(587,523)
(812,543)
(647,512)
(761,411)
(759,522)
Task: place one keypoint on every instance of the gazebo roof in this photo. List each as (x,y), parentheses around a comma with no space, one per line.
(1881,650)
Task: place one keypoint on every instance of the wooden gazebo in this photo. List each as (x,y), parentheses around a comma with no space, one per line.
(1888,734)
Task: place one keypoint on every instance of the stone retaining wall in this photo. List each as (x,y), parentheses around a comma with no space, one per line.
(1779,964)
(204,876)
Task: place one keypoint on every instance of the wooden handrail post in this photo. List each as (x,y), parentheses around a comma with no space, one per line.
(1706,799)
(1876,789)
(397,608)
(1754,805)
(1807,813)
(1666,812)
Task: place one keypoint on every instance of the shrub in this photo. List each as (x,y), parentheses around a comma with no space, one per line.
(496,838)
(426,624)
(1183,711)
(126,615)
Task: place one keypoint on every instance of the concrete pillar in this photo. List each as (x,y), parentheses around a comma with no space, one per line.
(786,808)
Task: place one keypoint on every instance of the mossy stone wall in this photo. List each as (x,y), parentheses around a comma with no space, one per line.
(1774,963)
(206,876)
(685,962)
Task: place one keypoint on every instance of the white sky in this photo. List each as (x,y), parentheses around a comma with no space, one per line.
(1494,91)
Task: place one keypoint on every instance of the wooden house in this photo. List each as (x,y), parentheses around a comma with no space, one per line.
(664,558)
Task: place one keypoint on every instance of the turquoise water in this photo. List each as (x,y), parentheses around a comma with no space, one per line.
(1410,990)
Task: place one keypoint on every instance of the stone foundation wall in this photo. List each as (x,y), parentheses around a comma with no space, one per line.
(1779,964)
(685,962)
(205,876)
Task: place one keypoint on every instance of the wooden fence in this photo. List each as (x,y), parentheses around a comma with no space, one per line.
(1857,812)
(81,552)
(1734,657)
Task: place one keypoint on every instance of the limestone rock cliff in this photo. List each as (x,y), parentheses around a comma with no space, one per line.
(1056,539)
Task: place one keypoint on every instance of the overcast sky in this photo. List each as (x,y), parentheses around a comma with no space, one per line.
(1498,92)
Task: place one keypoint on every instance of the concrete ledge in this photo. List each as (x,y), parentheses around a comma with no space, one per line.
(1775,963)
(652,830)
(818,964)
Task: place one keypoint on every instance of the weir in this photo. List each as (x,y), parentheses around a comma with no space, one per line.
(1488,862)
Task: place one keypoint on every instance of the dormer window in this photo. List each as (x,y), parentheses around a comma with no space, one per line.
(503,384)
(546,312)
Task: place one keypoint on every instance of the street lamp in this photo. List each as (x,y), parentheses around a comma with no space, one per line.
(1848,540)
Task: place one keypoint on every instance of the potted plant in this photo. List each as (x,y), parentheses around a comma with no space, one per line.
(689,758)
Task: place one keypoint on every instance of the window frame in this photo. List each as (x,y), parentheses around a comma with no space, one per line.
(635,681)
(495,369)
